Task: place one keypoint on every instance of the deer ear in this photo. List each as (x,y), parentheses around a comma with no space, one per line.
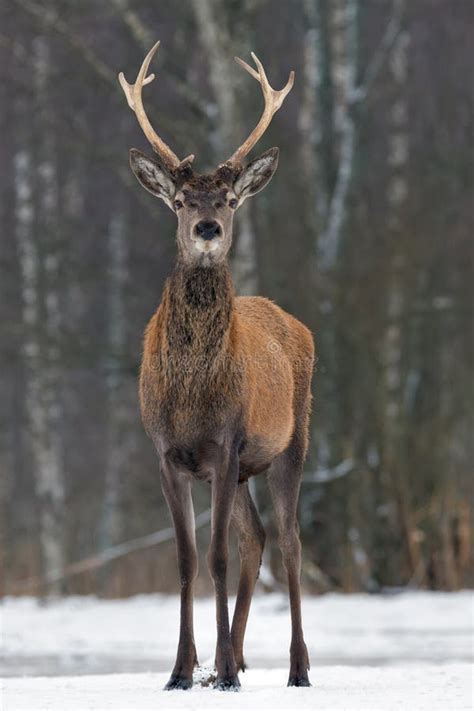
(153,175)
(256,175)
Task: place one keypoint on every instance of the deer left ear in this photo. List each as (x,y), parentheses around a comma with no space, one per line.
(256,175)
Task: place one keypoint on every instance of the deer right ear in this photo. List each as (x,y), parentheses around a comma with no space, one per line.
(153,175)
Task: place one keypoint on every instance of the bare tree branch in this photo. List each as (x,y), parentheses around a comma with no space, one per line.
(323,476)
(51,19)
(96,561)
(383,50)
(145,39)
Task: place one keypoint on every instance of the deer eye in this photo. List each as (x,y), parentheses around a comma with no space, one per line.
(233,203)
(178,204)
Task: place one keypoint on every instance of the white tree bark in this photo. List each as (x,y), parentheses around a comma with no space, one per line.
(309,124)
(119,425)
(351,93)
(214,39)
(39,260)
(329,241)
(393,344)
(40,387)
(397,193)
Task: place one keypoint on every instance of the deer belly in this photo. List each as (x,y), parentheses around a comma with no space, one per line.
(268,433)
(257,454)
(270,417)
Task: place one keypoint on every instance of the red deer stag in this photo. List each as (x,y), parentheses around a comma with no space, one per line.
(224,388)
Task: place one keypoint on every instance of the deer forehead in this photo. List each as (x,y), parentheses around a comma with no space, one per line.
(188,194)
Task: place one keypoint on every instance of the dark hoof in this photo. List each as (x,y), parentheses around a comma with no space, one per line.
(228,684)
(298,680)
(177,682)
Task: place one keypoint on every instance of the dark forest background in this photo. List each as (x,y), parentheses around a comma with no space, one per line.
(365,233)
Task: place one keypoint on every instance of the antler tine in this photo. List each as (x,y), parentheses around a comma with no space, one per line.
(128,88)
(273,100)
(133,94)
(248,68)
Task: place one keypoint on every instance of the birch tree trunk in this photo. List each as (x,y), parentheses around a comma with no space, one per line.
(50,481)
(394,461)
(325,16)
(345,73)
(338,59)
(119,427)
(310,117)
(37,240)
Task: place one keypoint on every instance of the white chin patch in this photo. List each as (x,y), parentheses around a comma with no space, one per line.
(206,246)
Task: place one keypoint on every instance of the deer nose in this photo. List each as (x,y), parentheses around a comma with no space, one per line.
(208,229)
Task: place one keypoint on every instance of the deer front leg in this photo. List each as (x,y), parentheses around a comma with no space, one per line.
(224,485)
(177,491)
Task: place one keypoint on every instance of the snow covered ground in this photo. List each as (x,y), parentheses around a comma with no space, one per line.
(409,651)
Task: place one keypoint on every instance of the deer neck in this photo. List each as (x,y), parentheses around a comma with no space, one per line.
(198,303)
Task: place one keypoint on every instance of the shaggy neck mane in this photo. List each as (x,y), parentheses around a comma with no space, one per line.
(198,305)
(199,382)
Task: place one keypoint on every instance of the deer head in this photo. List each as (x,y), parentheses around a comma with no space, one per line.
(203,204)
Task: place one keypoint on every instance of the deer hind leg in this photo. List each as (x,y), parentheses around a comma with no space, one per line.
(177,491)
(251,537)
(284,479)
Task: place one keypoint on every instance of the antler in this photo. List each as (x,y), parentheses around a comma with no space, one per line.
(133,94)
(273,101)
